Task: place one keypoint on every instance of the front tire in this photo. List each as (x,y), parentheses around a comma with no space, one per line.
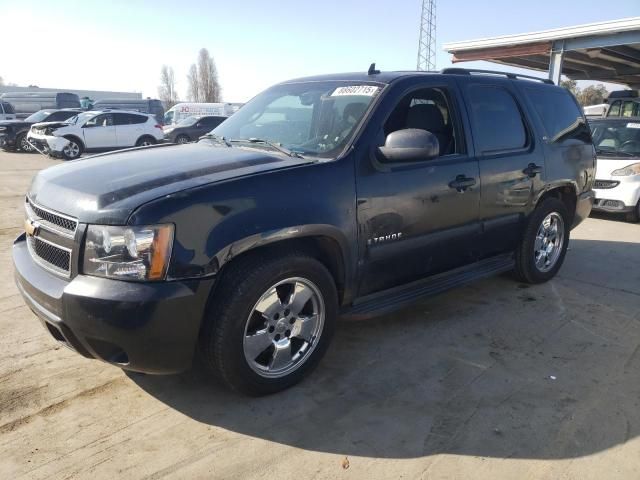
(23,144)
(544,243)
(634,216)
(73,150)
(269,323)
(182,139)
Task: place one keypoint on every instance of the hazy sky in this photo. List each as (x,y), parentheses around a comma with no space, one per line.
(120,45)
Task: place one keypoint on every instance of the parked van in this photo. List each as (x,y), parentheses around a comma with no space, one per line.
(180,111)
(149,105)
(7,111)
(26,103)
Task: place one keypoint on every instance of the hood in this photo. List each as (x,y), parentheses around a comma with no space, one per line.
(605,165)
(50,124)
(107,188)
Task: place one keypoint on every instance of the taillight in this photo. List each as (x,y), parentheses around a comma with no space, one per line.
(159,126)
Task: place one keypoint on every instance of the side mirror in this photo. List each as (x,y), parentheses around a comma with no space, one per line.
(409,145)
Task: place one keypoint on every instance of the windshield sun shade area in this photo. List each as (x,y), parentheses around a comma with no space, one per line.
(616,137)
(314,118)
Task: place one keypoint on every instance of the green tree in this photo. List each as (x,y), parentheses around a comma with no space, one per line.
(570,85)
(592,95)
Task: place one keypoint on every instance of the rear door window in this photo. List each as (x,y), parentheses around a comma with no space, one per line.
(497,121)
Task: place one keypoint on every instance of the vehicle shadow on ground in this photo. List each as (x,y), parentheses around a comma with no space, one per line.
(496,369)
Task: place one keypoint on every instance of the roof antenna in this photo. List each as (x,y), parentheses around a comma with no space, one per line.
(372,69)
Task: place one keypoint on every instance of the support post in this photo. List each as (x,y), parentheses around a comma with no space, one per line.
(555,61)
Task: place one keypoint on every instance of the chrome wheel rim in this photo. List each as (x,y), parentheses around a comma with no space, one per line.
(72,150)
(549,242)
(284,327)
(145,143)
(182,140)
(24,145)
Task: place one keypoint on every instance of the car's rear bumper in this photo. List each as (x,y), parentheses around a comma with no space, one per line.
(584,204)
(145,327)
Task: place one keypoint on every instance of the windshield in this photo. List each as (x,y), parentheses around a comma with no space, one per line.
(81,118)
(615,137)
(314,118)
(168,117)
(187,122)
(38,116)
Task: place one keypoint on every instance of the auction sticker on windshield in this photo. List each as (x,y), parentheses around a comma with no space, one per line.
(633,125)
(363,90)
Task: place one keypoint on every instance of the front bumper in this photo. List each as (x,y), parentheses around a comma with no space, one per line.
(149,327)
(623,197)
(49,144)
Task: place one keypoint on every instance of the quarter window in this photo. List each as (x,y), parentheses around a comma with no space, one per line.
(560,115)
(496,118)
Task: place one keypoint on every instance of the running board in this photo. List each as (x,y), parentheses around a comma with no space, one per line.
(387,301)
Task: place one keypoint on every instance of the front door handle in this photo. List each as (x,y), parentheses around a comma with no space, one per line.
(532,170)
(461,183)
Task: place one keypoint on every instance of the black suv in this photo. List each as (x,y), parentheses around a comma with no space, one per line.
(13,133)
(341,195)
(192,128)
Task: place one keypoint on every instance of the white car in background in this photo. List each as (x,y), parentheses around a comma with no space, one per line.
(617,184)
(95,130)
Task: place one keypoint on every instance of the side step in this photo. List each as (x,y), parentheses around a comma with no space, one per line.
(387,301)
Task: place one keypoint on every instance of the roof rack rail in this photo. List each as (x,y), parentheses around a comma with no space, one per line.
(513,76)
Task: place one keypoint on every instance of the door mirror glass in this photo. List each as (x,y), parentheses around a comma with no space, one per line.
(410,145)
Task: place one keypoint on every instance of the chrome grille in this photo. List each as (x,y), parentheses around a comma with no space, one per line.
(51,238)
(51,256)
(52,219)
(605,183)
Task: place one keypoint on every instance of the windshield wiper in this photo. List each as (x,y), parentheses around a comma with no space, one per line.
(273,145)
(615,152)
(218,138)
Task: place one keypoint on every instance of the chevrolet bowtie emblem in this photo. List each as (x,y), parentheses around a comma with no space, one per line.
(30,227)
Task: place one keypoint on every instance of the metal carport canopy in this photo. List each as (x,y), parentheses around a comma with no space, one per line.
(604,51)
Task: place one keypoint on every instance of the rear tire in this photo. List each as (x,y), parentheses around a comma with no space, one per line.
(145,141)
(544,243)
(256,337)
(73,150)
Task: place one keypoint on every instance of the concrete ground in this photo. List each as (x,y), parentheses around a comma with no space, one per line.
(493,380)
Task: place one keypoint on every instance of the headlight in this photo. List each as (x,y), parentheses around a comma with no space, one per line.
(633,169)
(128,253)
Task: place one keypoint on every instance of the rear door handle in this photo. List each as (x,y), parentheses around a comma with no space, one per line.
(461,183)
(532,170)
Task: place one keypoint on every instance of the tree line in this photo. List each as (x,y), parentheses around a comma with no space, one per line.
(202,82)
(591,95)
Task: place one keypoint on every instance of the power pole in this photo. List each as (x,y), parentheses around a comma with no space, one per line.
(427,42)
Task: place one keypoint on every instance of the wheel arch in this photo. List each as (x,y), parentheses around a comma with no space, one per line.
(71,136)
(146,135)
(566,192)
(322,242)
